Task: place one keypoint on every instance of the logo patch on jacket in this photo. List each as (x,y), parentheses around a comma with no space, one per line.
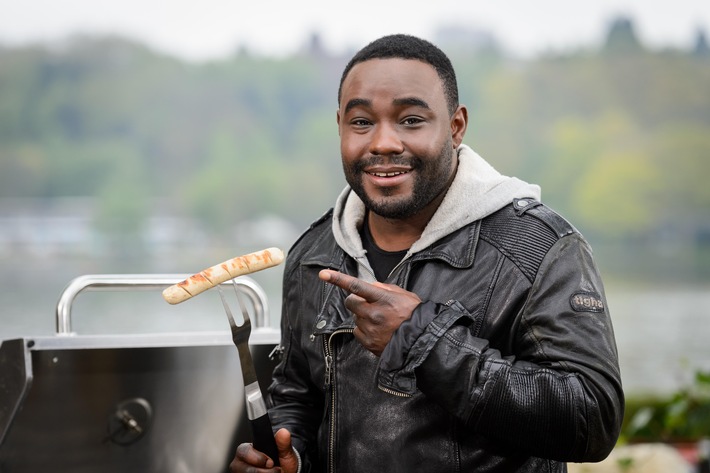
(586,302)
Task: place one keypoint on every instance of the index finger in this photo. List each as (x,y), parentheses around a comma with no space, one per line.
(353,285)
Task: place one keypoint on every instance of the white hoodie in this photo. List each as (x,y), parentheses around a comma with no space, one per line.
(477,190)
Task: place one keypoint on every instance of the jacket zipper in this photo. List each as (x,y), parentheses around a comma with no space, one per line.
(393,392)
(329,351)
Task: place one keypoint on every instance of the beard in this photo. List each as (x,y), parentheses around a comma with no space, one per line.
(432,176)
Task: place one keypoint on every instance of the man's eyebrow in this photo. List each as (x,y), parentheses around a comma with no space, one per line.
(357,103)
(413,101)
(417,102)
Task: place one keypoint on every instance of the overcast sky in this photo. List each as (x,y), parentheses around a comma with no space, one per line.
(203,29)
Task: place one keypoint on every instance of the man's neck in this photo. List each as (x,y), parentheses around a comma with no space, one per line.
(395,234)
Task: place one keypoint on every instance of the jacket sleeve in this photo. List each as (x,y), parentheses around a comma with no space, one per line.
(556,393)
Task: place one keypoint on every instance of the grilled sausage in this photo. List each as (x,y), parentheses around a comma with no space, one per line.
(219,273)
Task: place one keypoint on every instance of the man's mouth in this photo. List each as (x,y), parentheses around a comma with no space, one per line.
(387,174)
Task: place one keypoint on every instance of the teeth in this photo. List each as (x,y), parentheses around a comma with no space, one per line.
(387,174)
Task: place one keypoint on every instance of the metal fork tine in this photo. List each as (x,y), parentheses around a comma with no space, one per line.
(242,306)
(232,323)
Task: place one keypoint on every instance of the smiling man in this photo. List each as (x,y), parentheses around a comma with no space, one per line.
(431,320)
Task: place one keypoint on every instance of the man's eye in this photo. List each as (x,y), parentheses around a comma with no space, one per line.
(359,122)
(412,121)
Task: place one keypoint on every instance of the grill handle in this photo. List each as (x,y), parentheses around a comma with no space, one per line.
(147,282)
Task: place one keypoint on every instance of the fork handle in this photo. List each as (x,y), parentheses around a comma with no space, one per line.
(264,437)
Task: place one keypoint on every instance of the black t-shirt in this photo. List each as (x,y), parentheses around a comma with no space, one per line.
(382,262)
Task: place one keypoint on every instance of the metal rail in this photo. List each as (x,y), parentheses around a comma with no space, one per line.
(147,282)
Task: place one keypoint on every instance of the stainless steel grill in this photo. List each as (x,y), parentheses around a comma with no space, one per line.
(117,403)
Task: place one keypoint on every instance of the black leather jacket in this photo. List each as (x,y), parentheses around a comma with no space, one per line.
(508,365)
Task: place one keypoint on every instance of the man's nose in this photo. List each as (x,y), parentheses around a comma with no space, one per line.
(386,140)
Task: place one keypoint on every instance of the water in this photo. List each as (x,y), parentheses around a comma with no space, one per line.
(662,332)
(663,335)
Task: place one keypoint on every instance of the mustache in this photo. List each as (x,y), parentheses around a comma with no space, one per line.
(410,161)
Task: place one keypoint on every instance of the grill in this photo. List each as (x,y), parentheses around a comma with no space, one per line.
(117,403)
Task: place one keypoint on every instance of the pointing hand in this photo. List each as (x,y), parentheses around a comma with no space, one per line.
(378,309)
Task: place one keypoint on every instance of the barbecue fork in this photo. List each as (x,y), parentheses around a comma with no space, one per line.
(256,407)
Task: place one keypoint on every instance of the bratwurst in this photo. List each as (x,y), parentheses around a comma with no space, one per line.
(219,273)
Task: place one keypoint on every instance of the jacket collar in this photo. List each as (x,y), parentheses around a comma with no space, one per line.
(456,249)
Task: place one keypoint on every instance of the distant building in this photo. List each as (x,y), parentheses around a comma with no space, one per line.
(67,226)
(47,226)
(314,46)
(701,48)
(622,38)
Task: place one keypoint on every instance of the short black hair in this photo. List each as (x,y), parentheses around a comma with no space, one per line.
(410,47)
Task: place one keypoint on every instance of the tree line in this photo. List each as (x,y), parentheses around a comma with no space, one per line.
(616,136)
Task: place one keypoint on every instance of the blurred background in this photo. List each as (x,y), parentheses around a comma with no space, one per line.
(165,137)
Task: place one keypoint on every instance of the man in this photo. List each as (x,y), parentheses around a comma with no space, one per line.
(440,318)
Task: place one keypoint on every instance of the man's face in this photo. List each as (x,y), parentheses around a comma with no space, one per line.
(396,136)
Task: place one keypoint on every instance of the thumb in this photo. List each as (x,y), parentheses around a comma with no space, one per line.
(287,457)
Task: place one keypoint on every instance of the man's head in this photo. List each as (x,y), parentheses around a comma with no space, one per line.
(409,47)
(398,133)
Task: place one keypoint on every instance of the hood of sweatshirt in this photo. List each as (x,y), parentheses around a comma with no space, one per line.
(477,190)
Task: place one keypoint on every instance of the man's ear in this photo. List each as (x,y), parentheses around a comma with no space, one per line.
(337,119)
(459,122)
